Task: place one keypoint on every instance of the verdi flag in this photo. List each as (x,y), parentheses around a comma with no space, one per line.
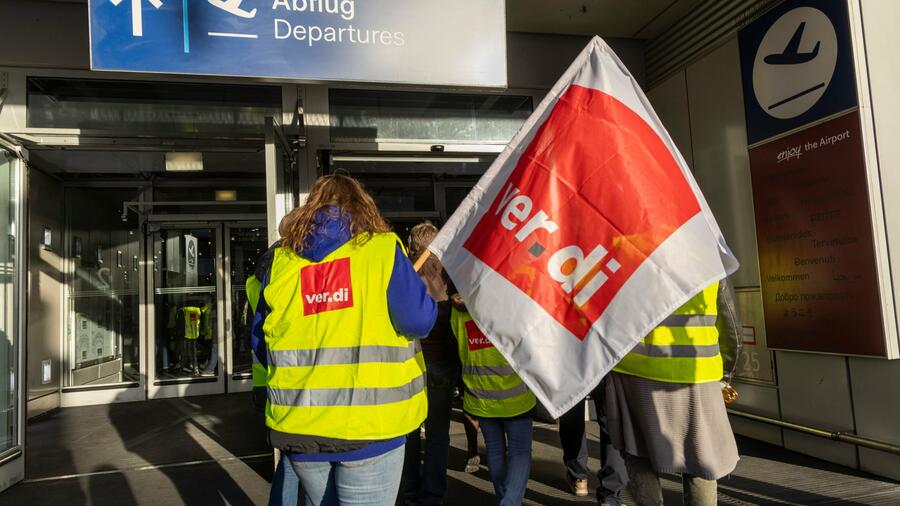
(584,235)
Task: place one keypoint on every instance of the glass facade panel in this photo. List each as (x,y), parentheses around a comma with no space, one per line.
(9,336)
(185,303)
(103,331)
(171,109)
(393,116)
(246,247)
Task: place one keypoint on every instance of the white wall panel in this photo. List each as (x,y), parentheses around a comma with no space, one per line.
(876,400)
(815,391)
(876,39)
(758,400)
(670,101)
(721,164)
(44,292)
(832,451)
(880,463)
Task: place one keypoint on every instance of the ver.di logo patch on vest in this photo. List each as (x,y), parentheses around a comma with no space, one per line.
(326,287)
(477,339)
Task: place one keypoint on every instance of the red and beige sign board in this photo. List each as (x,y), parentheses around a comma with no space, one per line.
(814,231)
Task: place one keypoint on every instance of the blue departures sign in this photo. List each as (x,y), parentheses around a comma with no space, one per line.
(431,42)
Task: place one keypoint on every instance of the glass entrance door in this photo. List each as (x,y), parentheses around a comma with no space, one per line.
(12,433)
(185,321)
(245,245)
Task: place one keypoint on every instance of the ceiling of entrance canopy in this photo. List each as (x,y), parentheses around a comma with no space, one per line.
(639,19)
(251,164)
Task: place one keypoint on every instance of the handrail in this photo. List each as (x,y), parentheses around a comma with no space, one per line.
(843,437)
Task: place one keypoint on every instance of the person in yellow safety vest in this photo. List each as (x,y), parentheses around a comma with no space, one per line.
(336,327)
(664,404)
(207,331)
(285,485)
(254,286)
(501,404)
(192,315)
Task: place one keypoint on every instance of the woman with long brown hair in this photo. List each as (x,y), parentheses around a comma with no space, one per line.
(339,313)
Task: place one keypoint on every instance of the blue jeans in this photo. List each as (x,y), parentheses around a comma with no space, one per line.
(430,489)
(508,445)
(370,482)
(285,484)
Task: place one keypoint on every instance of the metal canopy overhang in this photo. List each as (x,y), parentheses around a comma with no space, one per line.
(94,141)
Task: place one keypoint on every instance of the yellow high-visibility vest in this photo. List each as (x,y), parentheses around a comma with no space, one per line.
(684,348)
(493,389)
(336,366)
(206,327)
(259,371)
(191,322)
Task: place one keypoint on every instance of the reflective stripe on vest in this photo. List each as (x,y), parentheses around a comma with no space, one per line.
(493,389)
(191,322)
(337,368)
(342,356)
(684,348)
(347,396)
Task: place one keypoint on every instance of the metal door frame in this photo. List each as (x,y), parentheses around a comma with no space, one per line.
(12,461)
(243,383)
(187,387)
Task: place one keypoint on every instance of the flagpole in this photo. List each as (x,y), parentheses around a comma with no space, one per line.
(421,260)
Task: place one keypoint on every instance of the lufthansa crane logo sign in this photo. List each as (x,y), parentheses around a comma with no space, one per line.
(795,63)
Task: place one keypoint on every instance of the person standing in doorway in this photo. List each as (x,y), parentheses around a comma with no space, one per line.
(207,330)
(339,315)
(191,315)
(664,400)
(442,363)
(501,405)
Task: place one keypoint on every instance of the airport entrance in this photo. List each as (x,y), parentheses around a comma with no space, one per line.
(148,205)
(150,202)
(411,187)
(200,312)
(153,280)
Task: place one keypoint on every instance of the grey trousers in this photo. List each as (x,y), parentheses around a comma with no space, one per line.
(644,486)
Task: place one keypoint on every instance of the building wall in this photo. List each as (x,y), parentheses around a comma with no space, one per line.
(875,384)
(44,292)
(702,106)
(535,61)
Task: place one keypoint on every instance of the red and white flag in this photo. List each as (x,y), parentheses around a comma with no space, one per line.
(584,235)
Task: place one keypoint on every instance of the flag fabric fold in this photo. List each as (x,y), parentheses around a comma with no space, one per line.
(585,233)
